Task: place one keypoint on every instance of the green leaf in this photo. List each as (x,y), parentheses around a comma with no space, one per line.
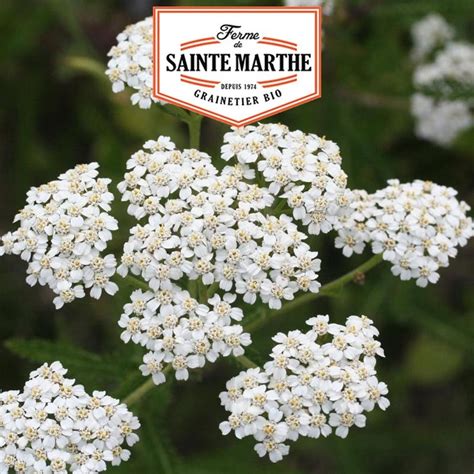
(81,363)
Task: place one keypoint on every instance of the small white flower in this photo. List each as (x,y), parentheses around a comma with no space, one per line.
(342,422)
(275,451)
(371,392)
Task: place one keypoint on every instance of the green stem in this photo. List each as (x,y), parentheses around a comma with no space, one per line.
(138,393)
(202,292)
(134,281)
(279,208)
(133,397)
(212,289)
(258,177)
(177,112)
(193,289)
(86,65)
(143,389)
(194,127)
(246,362)
(325,290)
(348,277)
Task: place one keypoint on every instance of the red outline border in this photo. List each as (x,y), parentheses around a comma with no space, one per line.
(317,10)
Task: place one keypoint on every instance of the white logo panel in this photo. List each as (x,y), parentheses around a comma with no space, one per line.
(237,65)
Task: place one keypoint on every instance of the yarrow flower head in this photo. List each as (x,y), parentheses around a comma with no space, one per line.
(309,388)
(53,425)
(303,169)
(444,81)
(219,232)
(417,227)
(131,62)
(212,227)
(179,333)
(63,230)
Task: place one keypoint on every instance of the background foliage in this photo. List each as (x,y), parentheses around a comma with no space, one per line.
(57,110)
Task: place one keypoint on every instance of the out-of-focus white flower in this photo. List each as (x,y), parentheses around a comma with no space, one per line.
(417,227)
(443,78)
(429,33)
(63,230)
(308,388)
(440,121)
(131,63)
(451,71)
(53,425)
(328,5)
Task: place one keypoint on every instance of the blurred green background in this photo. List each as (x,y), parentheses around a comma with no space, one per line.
(57,110)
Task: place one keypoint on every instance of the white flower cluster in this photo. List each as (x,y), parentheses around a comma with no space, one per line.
(131,63)
(212,227)
(303,169)
(62,231)
(428,34)
(444,81)
(328,5)
(180,333)
(451,71)
(417,227)
(309,388)
(54,426)
(440,121)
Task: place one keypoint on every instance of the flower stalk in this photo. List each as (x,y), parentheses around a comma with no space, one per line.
(325,290)
(246,362)
(194,126)
(141,390)
(136,282)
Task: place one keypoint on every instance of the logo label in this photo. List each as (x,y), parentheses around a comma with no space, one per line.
(237,65)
